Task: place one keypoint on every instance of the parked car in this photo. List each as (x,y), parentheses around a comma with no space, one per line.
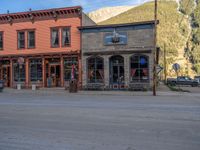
(197,78)
(182,80)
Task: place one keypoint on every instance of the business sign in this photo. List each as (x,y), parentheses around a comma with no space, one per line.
(176,67)
(115,38)
(158,69)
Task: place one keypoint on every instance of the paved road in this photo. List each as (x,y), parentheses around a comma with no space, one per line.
(61,121)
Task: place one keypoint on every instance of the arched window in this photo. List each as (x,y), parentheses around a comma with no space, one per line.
(139,68)
(95,70)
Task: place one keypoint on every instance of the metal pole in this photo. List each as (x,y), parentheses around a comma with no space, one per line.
(154,53)
(165,65)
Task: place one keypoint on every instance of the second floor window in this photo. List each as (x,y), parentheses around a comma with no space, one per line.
(55,37)
(60,37)
(1,40)
(21,40)
(65,37)
(31,39)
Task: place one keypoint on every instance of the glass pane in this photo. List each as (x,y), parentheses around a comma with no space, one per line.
(68,63)
(1,40)
(31,39)
(139,68)
(21,39)
(19,72)
(36,70)
(55,37)
(95,70)
(65,37)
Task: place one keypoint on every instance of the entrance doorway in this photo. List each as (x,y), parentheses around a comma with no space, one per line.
(5,75)
(54,74)
(117,72)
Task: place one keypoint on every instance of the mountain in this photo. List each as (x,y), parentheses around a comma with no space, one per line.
(175,31)
(107,12)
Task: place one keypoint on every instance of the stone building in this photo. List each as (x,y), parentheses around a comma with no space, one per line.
(118,57)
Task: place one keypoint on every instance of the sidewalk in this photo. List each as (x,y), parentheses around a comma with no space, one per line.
(62,91)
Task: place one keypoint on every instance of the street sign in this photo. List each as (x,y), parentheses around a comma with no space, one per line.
(176,67)
(158,69)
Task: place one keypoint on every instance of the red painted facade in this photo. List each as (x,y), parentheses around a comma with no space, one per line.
(41,22)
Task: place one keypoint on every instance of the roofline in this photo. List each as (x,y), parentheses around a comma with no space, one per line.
(118,25)
(42,10)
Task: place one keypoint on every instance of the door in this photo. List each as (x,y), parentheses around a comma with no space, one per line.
(117,72)
(54,72)
(6,75)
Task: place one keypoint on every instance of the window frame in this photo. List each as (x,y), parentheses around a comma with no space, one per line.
(62,28)
(70,61)
(24,31)
(2,33)
(51,42)
(95,68)
(31,30)
(19,72)
(139,67)
(35,62)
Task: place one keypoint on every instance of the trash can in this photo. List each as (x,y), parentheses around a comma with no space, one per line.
(19,86)
(34,87)
(1,85)
(73,88)
(49,82)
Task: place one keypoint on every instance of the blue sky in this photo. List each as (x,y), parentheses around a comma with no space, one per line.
(88,5)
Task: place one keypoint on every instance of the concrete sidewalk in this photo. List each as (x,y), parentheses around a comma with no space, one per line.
(62,91)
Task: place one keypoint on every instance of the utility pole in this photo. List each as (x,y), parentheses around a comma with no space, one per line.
(155,47)
(165,64)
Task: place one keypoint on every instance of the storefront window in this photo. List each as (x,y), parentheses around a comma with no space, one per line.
(19,72)
(70,66)
(139,68)
(36,70)
(95,70)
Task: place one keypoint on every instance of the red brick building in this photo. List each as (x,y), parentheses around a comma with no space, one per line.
(37,47)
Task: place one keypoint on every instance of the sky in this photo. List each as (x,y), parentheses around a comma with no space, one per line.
(88,5)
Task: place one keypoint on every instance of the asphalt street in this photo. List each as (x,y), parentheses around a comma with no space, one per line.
(62,121)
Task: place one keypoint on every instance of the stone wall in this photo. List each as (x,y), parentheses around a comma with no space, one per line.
(140,41)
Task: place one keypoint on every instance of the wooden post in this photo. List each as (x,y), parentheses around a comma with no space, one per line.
(80,73)
(1,72)
(11,73)
(154,52)
(43,72)
(27,72)
(62,71)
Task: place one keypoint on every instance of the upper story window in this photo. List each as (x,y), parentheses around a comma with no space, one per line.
(31,39)
(64,33)
(26,39)
(55,37)
(1,40)
(21,39)
(65,37)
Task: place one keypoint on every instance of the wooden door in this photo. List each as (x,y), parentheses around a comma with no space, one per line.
(54,72)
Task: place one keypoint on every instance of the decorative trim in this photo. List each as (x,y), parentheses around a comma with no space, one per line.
(40,15)
(116,52)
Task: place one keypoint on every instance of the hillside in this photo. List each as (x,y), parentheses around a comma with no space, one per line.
(173,30)
(107,12)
